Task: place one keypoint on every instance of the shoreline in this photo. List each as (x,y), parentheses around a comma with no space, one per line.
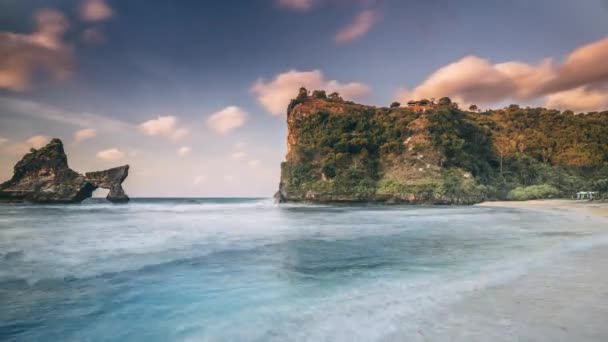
(562,300)
(597,209)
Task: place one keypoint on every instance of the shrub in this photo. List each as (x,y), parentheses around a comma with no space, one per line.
(335,97)
(319,94)
(533,192)
(445,101)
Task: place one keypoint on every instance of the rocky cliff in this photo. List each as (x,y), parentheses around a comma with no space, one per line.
(43,176)
(340,151)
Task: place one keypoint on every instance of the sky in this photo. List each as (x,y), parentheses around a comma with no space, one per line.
(193,94)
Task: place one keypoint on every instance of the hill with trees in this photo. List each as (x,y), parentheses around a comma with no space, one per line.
(436,153)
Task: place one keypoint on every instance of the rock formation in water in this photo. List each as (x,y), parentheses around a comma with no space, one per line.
(43,176)
(435,153)
(111,179)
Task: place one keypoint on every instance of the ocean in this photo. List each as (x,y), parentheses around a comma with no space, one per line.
(250,270)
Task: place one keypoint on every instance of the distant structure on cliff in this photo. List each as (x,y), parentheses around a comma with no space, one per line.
(421,105)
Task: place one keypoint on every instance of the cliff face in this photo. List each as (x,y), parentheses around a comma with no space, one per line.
(341,151)
(43,176)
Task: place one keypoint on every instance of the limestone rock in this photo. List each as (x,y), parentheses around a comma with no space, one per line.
(111,179)
(43,176)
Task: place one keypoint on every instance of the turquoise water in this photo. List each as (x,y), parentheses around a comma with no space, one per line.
(248,270)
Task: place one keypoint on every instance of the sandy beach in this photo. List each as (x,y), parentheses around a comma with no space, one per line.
(594,208)
(565,299)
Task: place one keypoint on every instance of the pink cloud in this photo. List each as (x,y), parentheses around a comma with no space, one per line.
(358,28)
(275,95)
(472,79)
(95,11)
(296,5)
(164,126)
(227,120)
(24,55)
(581,99)
(111,154)
(84,134)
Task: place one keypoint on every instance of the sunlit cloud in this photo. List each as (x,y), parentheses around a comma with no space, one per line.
(84,134)
(38,141)
(112,154)
(227,120)
(581,78)
(296,5)
(25,56)
(95,11)
(275,95)
(21,148)
(3,140)
(184,151)
(358,28)
(164,126)
(581,99)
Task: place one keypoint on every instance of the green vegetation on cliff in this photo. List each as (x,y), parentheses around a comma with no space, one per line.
(437,153)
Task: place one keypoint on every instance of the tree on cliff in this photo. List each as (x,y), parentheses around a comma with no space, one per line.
(444,101)
(319,94)
(302,94)
(335,97)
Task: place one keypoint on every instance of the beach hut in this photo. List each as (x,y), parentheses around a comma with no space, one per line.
(586,195)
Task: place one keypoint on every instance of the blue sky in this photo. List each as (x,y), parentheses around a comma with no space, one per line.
(111,68)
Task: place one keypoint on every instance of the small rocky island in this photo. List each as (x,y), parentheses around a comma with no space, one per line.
(43,176)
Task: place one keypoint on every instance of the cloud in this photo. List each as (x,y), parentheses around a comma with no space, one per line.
(25,56)
(38,141)
(358,28)
(227,120)
(184,151)
(275,95)
(111,154)
(95,11)
(253,163)
(84,134)
(46,112)
(585,65)
(581,99)
(296,5)
(476,80)
(200,179)
(165,126)
(3,140)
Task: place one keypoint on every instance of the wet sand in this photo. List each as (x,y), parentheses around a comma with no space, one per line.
(594,208)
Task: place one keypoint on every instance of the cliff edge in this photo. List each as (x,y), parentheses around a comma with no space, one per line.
(43,176)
